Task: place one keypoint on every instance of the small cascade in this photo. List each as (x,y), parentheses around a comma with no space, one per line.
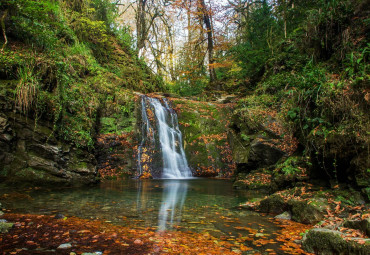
(147,133)
(161,139)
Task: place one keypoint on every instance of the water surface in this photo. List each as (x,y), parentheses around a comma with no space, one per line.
(199,205)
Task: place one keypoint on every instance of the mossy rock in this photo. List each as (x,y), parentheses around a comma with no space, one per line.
(206,141)
(308,212)
(363,225)
(349,196)
(5,226)
(327,242)
(31,175)
(273,204)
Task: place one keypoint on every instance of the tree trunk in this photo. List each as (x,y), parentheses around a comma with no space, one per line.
(210,48)
(140,24)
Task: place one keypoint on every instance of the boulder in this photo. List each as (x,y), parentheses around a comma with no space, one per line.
(327,242)
(273,204)
(263,153)
(308,211)
(363,225)
(284,216)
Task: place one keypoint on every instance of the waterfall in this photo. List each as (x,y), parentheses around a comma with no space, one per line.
(160,128)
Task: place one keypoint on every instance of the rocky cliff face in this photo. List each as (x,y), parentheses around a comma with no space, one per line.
(30,153)
(207,136)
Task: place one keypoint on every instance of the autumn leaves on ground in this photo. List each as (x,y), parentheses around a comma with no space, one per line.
(40,234)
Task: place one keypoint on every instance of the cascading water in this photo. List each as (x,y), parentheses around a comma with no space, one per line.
(166,135)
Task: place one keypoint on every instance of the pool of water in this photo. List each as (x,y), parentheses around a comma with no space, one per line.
(183,205)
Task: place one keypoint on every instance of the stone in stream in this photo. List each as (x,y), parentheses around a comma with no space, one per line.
(65,246)
(284,216)
(59,216)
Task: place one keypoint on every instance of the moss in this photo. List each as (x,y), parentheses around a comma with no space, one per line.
(80,165)
(204,127)
(327,242)
(308,212)
(324,241)
(5,226)
(273,204)
(36,176)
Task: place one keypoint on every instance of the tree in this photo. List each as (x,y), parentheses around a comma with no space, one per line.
(209,31)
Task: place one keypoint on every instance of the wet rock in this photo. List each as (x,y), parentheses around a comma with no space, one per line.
(284,216)
(325,241)
(43,164)
(92,253)
(363,225)
(308,212)
(273,204)
(31,154)
(59,216)
(65,246)
(5,226)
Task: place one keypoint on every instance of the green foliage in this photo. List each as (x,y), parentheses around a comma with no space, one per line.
(9,61)
(253,51)
(292,166)
(186,88)
(27,88)
(356,64)
(93,32)
(71,60)
(37,22)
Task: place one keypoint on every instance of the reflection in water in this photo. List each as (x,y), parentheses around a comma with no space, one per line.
(173,199)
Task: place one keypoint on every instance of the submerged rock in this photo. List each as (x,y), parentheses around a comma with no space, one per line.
(59,216)
(5,226)
(327,242)
(284,216)
(65,246)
